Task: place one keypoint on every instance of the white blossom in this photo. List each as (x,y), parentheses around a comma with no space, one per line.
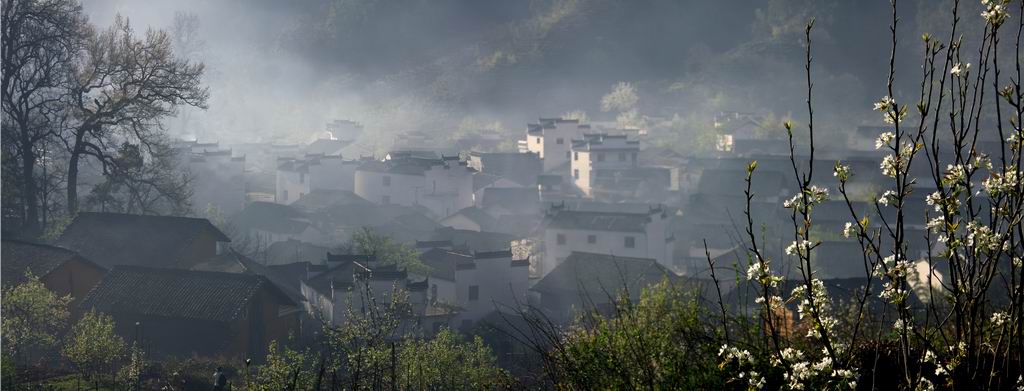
(960,69)
(884,139)
(1000,318)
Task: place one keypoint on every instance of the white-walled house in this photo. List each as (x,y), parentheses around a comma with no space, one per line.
(551,139)
(629,234)
(443,186)
(477,284)
(329,293)
(298,177)
(601,152)
(292,180)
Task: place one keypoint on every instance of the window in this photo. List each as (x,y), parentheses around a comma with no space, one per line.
(560,238)
(630,242)
(385,200)
(576,173)
(600,157)
(538,140)
(575,156)
(386,180)
(433,293)
(559,141)
(474,292)
(622,156)
(591,239)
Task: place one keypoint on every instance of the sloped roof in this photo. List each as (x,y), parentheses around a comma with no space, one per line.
(599,221)
(174,293)
(19,257)
(122,239)
(516,199)
(597,275)
(327,146)
(443,263)
(476,241)
(318,199)
(476,215)
(291,250)
(270,217)
(234,262)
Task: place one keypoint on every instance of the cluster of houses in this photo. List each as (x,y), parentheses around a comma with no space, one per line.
(576,214)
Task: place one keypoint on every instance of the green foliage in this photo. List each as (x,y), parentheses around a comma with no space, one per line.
(92,346)
(659,342)
(33,316)
(285,369)
(388,252)
(448,362)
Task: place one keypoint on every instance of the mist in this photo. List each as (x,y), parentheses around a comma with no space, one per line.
(279,72)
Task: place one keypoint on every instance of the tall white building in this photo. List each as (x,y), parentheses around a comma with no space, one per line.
(628,234)
(443,186)
(551,139)
(600,152)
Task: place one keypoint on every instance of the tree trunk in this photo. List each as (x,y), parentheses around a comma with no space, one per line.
(72,179)
(30,196)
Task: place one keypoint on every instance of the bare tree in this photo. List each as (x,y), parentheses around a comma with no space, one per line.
(40,39)
(126,85)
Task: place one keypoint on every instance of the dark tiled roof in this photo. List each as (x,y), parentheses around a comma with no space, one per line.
(443,263)
(174,293)
(513,199)
(121,239)
(318,199)
(427,244)
(291,250)
(19,257)
(476,241)
(476,215)
(270,217)
(598,275)
(492,254)
(599,221)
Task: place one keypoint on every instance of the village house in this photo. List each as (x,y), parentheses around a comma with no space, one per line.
(477,283)
(601,152)
(185,313)
(218,180)
(441,185)
(637,234)
(588,281)
(62,271)
(345,129)
(111,239)
(521,168)
(355,281)
(551,139)
(298,177)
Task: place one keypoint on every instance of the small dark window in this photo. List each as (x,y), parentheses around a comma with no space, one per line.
(474,293)
(560,238)
(591,239)
(559,141)
(538,140)
(630,242)
(576,156)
